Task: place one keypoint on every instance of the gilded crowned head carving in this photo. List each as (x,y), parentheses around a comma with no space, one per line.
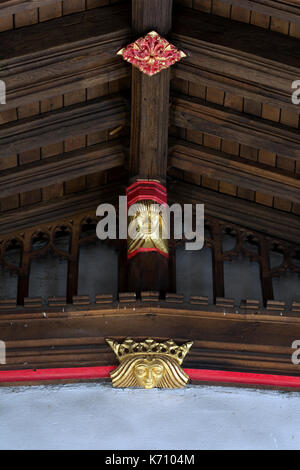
(149,364)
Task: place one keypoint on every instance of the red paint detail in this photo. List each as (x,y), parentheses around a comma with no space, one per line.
(36,375)
(202,375)
(147,183)
(143,250)
(145,197)
(146,190)
(242,378)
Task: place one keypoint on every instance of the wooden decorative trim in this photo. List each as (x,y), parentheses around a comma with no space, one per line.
(103,372)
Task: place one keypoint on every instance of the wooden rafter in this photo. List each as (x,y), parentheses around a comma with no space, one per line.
(55,126)
(194,113)
(243,59)
(9,7)
(57,209)
(238,211)
(65,55)
(201,160)
(63,167)
(284,9)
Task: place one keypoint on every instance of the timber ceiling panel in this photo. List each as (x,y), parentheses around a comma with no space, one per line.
(18,13)
(261,158)
(274,15)
(95,79)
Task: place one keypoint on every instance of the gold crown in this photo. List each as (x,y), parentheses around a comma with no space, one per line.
(149,347)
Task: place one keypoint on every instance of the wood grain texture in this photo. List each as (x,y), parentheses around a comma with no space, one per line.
(285,10)
(149,125)
(66,54)
(60,208)
(63,167)
(236,57)
(240,212)
(8,7)
(150,97)
(194,113)
(201,160)
(55,126)
(152,14)
(149,137)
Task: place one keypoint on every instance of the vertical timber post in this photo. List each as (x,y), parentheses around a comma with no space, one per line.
(149,271)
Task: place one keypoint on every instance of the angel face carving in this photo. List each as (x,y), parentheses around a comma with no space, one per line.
(146,228)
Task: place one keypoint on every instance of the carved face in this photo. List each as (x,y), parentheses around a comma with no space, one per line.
(146,221)
(148,372)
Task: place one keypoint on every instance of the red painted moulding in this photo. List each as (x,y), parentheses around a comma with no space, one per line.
(36,375)
(200,375)
(246,378)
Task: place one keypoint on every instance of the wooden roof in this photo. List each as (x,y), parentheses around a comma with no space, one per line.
(217,128)
(233,127)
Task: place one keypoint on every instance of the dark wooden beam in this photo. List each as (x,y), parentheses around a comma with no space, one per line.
(237,57)
(55,126)
(194,113)
(58,209)
(237,211)
(149,124)
(201,160)
(65,54)
(76,336)
(63,167)
(283,9)
(152,14)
